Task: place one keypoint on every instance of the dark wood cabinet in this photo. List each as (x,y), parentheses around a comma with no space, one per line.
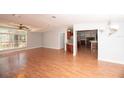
(70,41)
(70,48)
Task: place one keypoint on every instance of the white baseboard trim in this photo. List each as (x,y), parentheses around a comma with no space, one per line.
(33,47)
(111,61)
(20,49)
(50,47)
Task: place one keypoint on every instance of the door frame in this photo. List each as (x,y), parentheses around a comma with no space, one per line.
(75,41)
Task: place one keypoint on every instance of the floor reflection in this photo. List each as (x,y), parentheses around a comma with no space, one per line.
(11,64)
(51,63)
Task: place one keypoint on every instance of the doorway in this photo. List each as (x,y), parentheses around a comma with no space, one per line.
(87,42)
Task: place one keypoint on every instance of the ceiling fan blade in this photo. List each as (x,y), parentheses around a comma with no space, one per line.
(8,26)
(16,26)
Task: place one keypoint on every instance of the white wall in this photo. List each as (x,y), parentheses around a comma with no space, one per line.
(51,39)
(62,40)
(34,39)
(110,48)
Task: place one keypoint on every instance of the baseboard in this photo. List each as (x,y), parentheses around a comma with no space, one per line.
(50,47)
(20,49)
(33,47)
(111,61)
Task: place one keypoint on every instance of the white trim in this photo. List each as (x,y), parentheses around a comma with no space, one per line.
(33,47)
(14,50)
(111,61)
(51,47)
(28,48)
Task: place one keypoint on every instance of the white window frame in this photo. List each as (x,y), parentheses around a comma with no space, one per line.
(13,32)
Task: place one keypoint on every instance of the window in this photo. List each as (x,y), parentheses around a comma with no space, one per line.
(11,38)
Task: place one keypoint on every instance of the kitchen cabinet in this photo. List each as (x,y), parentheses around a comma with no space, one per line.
(70,48)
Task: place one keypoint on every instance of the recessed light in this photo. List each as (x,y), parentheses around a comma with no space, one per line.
(53,16)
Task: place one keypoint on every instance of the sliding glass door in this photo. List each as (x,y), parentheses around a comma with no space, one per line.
(11,38)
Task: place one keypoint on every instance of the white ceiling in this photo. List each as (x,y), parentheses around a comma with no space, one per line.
(43,22)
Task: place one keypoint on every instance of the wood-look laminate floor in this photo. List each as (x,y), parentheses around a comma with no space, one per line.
(52,63)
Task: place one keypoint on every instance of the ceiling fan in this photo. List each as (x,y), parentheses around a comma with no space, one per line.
(15,26)
(23,27)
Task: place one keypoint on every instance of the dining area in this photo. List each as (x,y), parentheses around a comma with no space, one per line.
(87,39)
